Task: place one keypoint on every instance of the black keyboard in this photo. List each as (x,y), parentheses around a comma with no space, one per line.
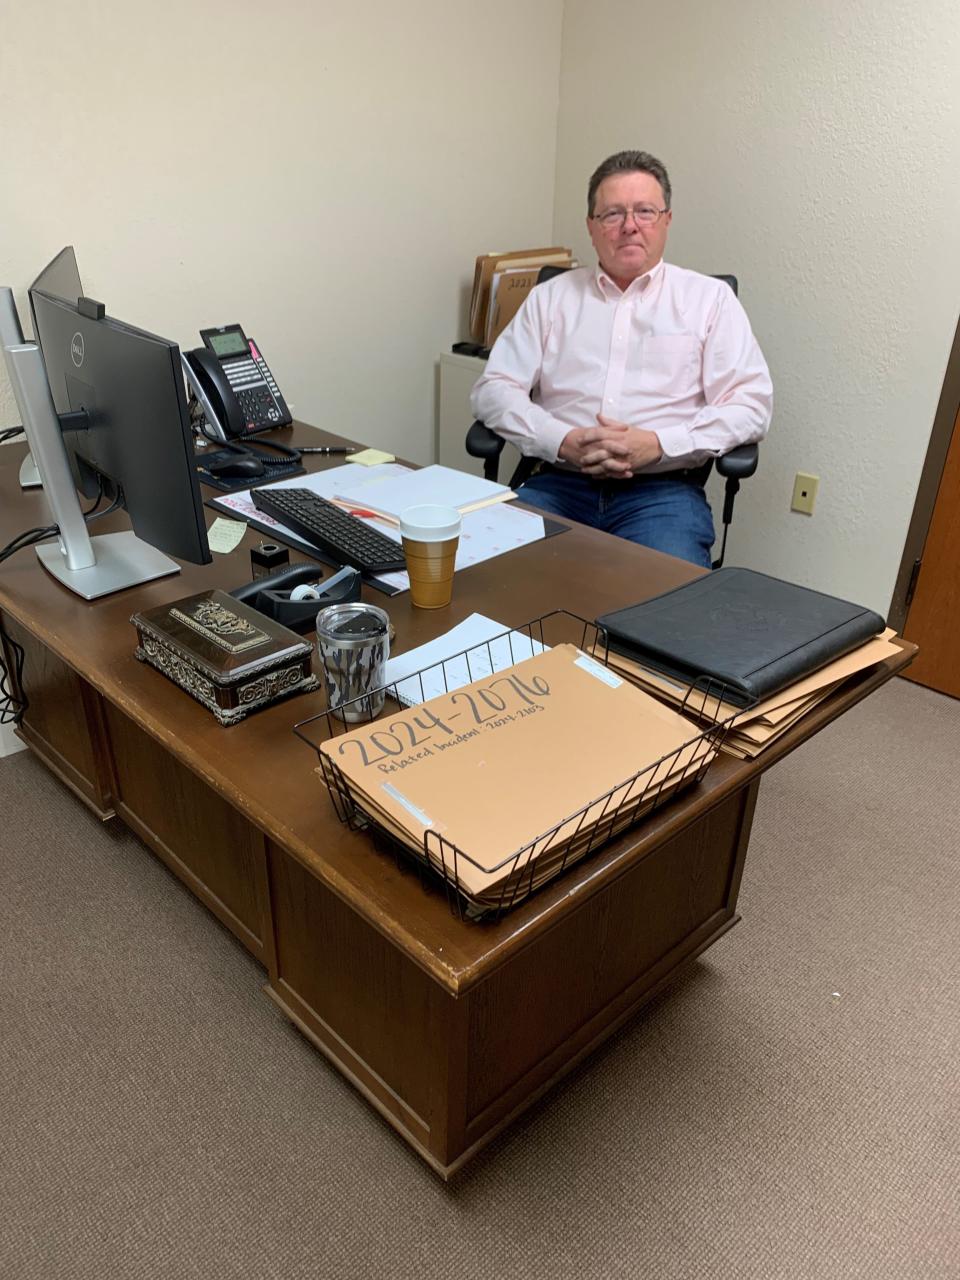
(343,537)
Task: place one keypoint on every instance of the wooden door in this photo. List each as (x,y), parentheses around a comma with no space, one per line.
(933,621)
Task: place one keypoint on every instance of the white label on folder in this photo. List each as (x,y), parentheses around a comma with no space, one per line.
(595,669)
(410,807)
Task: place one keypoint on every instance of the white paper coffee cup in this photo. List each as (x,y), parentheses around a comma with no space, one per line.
(430,535)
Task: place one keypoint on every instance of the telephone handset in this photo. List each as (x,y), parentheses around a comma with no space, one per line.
(275,596)
(233,384)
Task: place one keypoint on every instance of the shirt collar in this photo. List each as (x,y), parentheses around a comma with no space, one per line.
(610,289)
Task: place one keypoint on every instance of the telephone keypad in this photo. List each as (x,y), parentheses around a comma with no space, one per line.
(255,390)
(258,405)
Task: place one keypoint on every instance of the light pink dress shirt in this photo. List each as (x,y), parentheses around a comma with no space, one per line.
(673,353)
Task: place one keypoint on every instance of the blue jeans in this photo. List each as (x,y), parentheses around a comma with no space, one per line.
(664,511)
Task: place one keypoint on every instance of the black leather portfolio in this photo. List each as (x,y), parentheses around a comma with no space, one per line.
(754,633)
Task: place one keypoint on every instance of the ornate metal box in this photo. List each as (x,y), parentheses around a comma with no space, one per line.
(225,654)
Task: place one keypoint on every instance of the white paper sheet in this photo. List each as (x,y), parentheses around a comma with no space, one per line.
(445,666)
(490,531)
(434,484)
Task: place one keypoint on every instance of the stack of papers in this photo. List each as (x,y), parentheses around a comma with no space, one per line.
(389,495)
(755,729)
(475,648)
(489,528)
(503,783)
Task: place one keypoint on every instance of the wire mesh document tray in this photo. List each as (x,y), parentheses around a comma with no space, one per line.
(519,698)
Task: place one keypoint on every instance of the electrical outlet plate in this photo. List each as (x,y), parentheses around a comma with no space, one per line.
(804,493)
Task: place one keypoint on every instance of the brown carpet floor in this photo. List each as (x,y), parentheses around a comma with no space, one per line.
(787,1109)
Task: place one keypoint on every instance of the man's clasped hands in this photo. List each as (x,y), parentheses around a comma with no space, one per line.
(611,450)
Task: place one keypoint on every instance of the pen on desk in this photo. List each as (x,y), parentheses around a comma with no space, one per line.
(336,448)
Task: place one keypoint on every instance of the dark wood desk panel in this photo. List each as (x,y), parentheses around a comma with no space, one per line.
(202,838)
(65,727)
(448,1028)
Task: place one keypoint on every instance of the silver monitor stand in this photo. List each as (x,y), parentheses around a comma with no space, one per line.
(10,336)
(29,475)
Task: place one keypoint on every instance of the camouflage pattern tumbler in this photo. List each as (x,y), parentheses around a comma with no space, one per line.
(354,644)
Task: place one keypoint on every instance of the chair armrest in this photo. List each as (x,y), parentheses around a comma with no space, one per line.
(483,443)
(740,462)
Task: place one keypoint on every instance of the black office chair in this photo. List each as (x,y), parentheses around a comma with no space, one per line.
(737,465)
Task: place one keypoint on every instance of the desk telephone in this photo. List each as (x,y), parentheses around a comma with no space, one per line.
(233,384)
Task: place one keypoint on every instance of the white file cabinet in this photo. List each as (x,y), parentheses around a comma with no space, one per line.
(457,376)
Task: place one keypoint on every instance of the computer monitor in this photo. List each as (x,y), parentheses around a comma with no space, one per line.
(60,278)
(128,435)
(137,437)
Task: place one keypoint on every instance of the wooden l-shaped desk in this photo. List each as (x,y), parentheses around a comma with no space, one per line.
(449,1028)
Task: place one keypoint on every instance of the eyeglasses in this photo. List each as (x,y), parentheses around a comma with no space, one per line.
(615,218)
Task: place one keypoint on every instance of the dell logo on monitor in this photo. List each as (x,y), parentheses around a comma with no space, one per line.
(76,349)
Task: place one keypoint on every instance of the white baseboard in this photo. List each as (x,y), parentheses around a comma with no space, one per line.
(9,742)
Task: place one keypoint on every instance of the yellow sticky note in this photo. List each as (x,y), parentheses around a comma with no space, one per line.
(225,535)
(370,457)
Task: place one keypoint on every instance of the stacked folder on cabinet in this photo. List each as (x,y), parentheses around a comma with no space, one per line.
(743,644)
(503,783)
(501,281)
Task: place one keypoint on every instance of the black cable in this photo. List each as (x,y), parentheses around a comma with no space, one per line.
(32,536)
(290,454)
(201,427)
(12,706)
(27,539)
(91,512)
(237,445)
(13,700)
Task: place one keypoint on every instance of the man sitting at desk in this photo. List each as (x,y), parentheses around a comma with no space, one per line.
(625,378)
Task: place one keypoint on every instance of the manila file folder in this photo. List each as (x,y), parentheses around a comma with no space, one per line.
(520,767)
(488,263)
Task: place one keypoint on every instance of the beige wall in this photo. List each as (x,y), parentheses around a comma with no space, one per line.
(325,174)
(814,151)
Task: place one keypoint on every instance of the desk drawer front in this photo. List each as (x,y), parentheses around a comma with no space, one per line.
(541,1008)
(64,722)
(217,853)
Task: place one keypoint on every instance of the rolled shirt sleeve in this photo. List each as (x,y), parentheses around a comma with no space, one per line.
(501,399)
(736,386)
